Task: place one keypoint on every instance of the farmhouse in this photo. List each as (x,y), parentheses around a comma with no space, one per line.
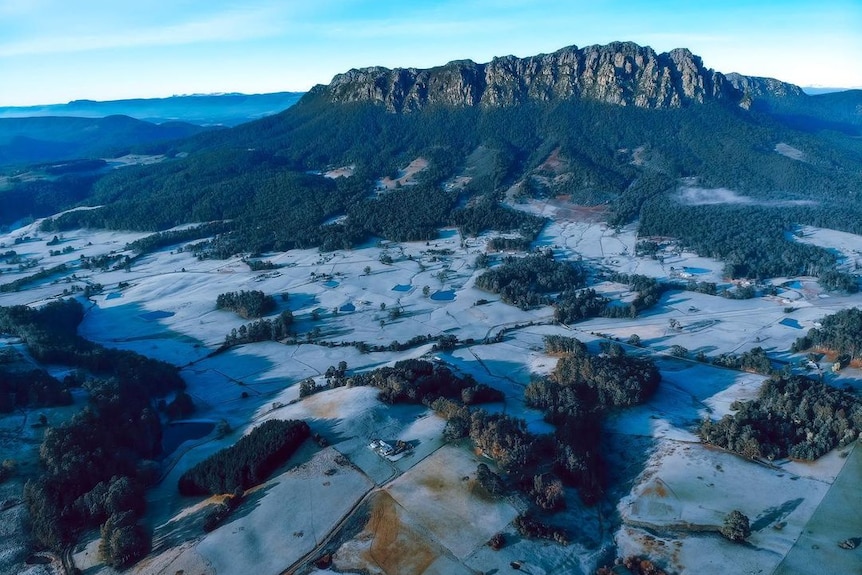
(382,448)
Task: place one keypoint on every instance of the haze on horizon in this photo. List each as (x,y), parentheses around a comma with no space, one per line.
(54,52)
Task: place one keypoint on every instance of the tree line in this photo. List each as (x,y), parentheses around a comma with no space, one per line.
(249,462)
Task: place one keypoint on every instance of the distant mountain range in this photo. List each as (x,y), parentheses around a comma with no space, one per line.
(86,128)
(203,109)
(26,141)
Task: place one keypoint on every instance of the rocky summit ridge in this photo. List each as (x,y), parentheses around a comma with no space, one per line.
(621,73)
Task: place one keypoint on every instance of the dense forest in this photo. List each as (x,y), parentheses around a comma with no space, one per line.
(486,214)
(752,240)
(95,466)
(23,386)
(42,197)
(792,417)
(248,462)
(529,281)
(582,383)
(30,388)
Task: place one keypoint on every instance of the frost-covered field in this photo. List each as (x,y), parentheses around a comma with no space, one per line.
(675,490)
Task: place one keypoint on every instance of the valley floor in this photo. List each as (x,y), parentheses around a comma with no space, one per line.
(422,513)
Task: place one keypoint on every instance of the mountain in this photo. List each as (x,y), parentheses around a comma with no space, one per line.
(203,109)
(620,73)
(48,139)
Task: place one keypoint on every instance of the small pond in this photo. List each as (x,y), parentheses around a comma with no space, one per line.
(443,295)
(790,323)
(114,295)
(330,284)
(402,287)
(347,307)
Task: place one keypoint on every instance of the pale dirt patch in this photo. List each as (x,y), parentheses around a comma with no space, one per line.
(560,209)
(342,172)
(564,210)
(790,152)
(387,544)
(134,160)
(457,183)
(639,156)
(554,163)
(406,176)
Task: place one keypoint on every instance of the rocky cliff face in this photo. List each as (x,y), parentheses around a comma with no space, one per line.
(757,87)
(620,73)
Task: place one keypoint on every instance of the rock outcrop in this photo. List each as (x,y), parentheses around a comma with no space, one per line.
(757,87)
(620,73)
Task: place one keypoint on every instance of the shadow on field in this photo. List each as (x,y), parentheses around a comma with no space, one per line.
(298,301)
(775,514)
(249,503)
(188,528)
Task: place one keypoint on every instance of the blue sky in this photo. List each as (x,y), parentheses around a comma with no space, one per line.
(59,50)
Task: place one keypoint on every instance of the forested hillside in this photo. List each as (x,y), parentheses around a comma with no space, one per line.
(632,160)
(30,140)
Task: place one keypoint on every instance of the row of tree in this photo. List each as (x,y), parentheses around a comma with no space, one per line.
(417,381)
(248,462)
(274,329)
